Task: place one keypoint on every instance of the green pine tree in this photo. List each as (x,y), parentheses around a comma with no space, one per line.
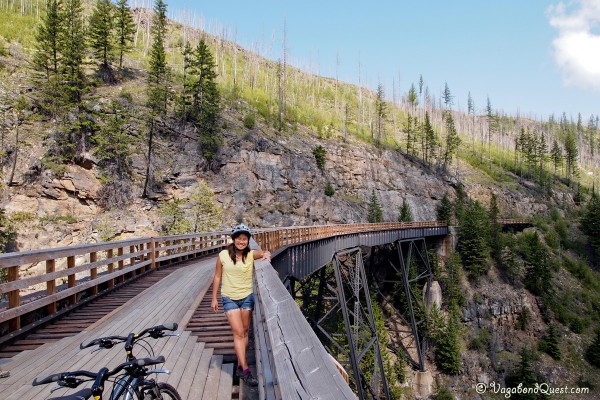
(590,222)
(205,108)
(593,352)
(329,190)
(538,275)
(205,212)
(452,140)
(157,85)
(124,29)
(320,156)
(473,238)
(101,37)
(523,374)
(380,110)
(375,212)
(47,54)
(444,210)
(550,343)
(173,218)
(72,50)
(405,212)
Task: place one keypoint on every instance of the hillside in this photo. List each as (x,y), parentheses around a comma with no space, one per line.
(310,151)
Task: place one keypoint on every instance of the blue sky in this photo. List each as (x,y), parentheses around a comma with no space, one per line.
(535,57)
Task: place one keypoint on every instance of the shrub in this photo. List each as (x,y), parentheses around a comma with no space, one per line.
(329,191)
(320,154)
(250,121)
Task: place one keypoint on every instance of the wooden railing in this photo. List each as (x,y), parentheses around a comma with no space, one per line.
(86,269)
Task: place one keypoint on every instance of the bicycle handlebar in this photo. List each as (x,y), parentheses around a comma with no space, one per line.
(82,394)
(142,362)
(109,341)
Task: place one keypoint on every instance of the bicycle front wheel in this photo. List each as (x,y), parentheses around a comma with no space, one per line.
(166,392)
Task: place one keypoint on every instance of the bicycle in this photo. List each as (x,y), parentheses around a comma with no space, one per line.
(127,384)
(133,384)
(146,389)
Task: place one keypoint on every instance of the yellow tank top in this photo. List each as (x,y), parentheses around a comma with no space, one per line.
(236,279)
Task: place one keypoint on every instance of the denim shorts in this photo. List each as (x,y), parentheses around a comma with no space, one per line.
(247,303)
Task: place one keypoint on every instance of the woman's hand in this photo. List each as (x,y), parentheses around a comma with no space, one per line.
(214,305)
(266,255)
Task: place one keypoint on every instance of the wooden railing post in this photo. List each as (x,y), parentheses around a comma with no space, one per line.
(93,272)
(142,259)
(51,285)
(71,279)
(120,252)
(14,298)
(153,253)
(111,268)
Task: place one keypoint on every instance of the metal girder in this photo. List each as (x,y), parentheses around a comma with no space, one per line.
(409,274)
(341,290)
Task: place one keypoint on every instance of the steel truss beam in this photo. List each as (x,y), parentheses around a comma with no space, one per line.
(343,289)
(409,274)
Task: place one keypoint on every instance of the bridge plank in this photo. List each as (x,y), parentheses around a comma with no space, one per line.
(201,376)
(189,370)
(212,381)
(225,382)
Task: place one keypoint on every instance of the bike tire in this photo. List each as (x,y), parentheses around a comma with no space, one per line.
(167,392)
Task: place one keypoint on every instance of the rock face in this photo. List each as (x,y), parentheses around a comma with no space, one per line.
(276,182)
(267,180)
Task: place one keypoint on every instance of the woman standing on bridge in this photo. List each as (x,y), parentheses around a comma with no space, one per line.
(235,268)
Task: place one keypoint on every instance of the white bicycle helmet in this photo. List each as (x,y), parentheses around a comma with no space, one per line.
(241,228)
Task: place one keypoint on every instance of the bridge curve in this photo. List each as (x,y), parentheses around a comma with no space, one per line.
(294,363)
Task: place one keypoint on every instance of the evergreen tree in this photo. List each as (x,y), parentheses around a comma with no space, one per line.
(47,54)
(590,222)
(409,129)
(593,352)
(72,49)
(157,84)
(452,140)
(495,227)
(556,155)
(205,108)
(124,29)
(173,218)
(7,232)
(320,156)
(538,276)
(524,375)
(444,209)
(446,338)
(473,238)
(375,213)
(158,72)
(113,141)
(329,190)
(205,213)
(101,37)
(412,97)
(405,212)
(571,154)
(380,110)
(550,343)
(431,139)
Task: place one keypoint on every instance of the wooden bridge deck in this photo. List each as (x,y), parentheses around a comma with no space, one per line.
(197,373)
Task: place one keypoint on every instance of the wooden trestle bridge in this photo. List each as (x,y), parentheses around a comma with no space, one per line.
(88,291)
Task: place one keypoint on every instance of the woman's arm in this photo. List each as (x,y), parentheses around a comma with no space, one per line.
(216,282)
(258,254)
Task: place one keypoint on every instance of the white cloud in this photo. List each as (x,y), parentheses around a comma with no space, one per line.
(577,46)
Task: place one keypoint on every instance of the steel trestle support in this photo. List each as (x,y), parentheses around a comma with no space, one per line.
(341,290)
